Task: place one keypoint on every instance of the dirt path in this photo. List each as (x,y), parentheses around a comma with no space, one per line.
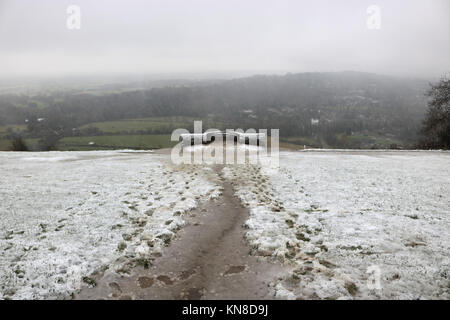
(209,260)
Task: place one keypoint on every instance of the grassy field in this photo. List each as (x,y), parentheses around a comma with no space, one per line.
(117,134)
(358,140)
(32,144)
(4,144)
(155,123)
(154,133)
(287,145)
(13,127)
(299,141)
(345,141)
(143,142)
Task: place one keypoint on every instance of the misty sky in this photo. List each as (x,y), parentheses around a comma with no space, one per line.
(254,36)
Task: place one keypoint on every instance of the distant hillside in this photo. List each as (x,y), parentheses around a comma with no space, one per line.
(342,109)
(325,106)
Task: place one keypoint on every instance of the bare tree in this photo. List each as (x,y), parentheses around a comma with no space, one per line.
(18,144)
(436,127)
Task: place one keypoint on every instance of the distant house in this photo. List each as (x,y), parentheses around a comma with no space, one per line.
(314,122)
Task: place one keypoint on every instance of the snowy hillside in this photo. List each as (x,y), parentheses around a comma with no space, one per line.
(65,215)
(329,216)
(333,215)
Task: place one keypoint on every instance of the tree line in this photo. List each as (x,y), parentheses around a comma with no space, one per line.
(323,106)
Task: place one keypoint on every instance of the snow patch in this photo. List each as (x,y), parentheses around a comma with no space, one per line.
(335,214)
(66,215)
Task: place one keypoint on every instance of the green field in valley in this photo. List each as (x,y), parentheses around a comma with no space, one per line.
(142,142)
(300,141)
(32,144)
(6,130)
(167,124)
(12,128)
(119,134)
(356,141)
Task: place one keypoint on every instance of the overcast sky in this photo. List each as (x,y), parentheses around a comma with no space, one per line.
(253,36)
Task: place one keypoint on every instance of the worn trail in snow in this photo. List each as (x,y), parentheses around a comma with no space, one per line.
(209,260)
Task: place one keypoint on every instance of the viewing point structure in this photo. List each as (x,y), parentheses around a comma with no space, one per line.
(249,138)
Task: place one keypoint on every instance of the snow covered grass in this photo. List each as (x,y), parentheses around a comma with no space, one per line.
(329,215)
(67,215)
(333,215)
